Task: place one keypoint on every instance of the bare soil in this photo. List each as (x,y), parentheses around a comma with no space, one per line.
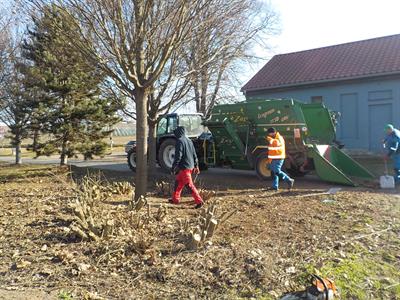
(269,247)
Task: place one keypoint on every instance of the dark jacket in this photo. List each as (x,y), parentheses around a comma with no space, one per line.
(185,153)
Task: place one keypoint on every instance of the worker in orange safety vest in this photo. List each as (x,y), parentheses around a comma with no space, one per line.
(276,158)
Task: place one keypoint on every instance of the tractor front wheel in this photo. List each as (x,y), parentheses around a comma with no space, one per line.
(166,154)
(132,160)
(262,166)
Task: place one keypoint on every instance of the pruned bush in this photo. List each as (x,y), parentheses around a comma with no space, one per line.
(164,188)
(207,195)
(91,221)
(122,188)
(207,223)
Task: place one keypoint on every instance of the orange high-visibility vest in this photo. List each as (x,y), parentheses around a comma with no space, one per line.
(276,147)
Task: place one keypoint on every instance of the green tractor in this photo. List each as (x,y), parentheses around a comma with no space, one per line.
(236,138)
(166,139)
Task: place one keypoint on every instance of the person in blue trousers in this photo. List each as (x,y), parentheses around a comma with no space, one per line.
(276,158)
(392,145)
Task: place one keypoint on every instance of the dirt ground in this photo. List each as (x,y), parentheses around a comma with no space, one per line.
(270,245)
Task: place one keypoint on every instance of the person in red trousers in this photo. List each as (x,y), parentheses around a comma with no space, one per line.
(185,163)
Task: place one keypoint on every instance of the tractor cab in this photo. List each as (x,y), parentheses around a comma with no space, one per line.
(191,122)
(166,139)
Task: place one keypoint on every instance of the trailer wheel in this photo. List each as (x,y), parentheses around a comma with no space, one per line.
(166,154)
(132,160)
(262,167)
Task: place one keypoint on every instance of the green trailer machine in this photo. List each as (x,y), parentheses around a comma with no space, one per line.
(238,140)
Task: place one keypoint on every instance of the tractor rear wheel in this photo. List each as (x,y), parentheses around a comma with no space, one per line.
(262,166)
(132,160)
(166,154)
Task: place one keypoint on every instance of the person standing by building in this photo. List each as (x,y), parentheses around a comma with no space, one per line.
(392,144)
(276,157)
(185,163)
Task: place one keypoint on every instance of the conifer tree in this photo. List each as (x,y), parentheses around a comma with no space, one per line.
(72,112)
(16,106)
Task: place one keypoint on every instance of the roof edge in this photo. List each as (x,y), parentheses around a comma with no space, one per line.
(305,83)
(341,44)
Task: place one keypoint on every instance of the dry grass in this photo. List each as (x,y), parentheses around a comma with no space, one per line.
(266,248)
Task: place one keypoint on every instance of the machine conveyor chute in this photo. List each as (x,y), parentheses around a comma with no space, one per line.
(333,165)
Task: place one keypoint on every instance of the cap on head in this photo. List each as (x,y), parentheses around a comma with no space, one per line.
(389,127)
(271,130)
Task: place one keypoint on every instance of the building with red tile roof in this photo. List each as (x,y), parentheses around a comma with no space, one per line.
(359,79)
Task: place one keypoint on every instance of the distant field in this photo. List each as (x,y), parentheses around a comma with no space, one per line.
(6,143)
(118,141)
(122,140)
(118,146)
(9,152)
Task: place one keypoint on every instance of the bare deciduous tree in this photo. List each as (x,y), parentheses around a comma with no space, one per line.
(225,37)
(167,92)
(5,44)
(132,41)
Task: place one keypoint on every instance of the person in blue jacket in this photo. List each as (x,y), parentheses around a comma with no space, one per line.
(392,145)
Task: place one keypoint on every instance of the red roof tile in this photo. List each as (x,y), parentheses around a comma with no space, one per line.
(373,57)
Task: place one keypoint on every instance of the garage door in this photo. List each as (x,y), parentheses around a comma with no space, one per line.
(349,116)
(379,115)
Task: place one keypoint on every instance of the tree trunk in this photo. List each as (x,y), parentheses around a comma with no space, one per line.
(18,159)
(35,144)
(64,157)
(141,99)
(152,147)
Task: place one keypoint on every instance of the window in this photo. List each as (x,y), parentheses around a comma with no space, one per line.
(316,99)
(162,126)
(172,124)
(192,123)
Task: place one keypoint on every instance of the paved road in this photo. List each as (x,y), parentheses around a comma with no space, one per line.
(117,167)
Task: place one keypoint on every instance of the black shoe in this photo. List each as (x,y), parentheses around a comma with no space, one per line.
(290,184)
(171,201)
(200,205)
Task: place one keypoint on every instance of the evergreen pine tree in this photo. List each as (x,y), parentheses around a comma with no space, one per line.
(72,112)
(16,107)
